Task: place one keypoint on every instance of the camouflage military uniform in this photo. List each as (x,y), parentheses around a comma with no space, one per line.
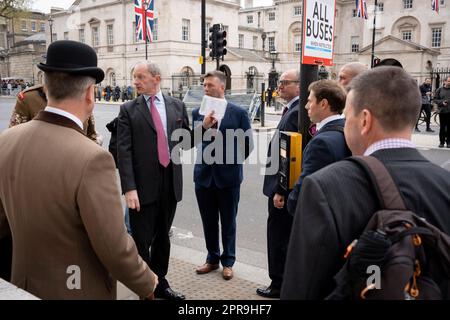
(32,100)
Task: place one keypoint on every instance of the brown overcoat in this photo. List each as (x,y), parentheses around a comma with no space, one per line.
(59,193)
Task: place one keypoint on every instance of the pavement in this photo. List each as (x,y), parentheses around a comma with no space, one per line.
(183,278)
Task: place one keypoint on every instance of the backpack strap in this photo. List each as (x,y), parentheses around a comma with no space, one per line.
(385,187)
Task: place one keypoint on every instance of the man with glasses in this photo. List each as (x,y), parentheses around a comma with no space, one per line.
(279,221)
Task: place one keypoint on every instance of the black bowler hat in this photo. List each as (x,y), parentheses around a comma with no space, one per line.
(72,57)
(389,62)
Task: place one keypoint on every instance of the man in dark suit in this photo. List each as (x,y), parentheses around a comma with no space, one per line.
(279,221)
(151,179)
(325,104)
(337,202)
(218,175)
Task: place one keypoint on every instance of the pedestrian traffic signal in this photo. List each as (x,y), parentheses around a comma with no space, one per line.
(221,43)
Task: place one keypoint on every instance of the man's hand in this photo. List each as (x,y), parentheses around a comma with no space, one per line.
(132,200)
(278,201)
(209,120)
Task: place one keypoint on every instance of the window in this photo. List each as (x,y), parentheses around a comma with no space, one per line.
(354,13)
(81,36)
(66,35)
(42,29)
(355,44)
(255,42)
(271,43)
(185,29)
(272,16)
(225,28)
(442,2)
(95,37)
(54,36)
(249,19)
(241,41)
(134,32)
(407,4)
(110,34)
(297,43)
(378,35)
(436,34)
(23,25)
(33,26)
(380,7)
(297,11)
(407,35)
(155,29)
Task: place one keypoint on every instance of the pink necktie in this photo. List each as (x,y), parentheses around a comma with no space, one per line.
(163,152)
(313,129)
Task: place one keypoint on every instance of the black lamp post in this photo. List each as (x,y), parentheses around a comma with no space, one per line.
(146,5)
(273,74)
(50,23)
(263,37)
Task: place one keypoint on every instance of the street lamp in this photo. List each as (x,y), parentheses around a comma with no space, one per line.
(263,37)
(273,74)
(50,23)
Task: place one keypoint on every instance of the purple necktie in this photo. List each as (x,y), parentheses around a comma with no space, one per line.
(163,152)
(284,111)
(313,129)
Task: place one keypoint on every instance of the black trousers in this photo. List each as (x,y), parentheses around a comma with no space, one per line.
(444,131)
(279,224)
(151,225)
(427,109)
(5,257)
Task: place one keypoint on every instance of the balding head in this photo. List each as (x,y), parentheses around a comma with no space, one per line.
(349,71)
(288,85)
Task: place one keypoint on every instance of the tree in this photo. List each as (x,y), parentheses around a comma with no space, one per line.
(13,8)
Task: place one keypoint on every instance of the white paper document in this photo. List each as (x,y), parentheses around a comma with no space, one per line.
(213,104)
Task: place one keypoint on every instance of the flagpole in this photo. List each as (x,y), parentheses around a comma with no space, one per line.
(144,25)
(373,33)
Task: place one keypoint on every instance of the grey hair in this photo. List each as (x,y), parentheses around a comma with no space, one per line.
(152,68)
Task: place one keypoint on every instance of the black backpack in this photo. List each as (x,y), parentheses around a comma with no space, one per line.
(112,147)
(412,255)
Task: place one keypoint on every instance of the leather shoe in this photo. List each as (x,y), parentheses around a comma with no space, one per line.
(268,292)
(227,273)
(206,268)
(169,294)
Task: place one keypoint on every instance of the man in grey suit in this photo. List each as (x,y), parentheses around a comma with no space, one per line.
(337,202)
(151,180)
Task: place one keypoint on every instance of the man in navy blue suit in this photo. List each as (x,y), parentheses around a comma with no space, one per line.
(218,175)
(326,102)
(279,221)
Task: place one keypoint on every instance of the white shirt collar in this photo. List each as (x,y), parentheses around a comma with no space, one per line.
(390,143)
(65,114)
(290,103)
(158,96)
(326,120)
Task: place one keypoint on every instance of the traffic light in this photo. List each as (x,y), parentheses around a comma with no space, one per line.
(221,40)
(213,40)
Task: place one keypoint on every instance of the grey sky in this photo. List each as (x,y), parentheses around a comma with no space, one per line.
(44,5)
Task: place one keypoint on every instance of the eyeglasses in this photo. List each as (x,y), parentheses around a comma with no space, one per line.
(286,82)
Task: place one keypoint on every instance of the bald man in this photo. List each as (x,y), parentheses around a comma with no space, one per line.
(349,71)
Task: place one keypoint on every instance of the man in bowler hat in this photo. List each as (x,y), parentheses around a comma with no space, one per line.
(59,196)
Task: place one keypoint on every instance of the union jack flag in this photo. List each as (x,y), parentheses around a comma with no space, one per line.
(361,9)
(140,11)
(435,5)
